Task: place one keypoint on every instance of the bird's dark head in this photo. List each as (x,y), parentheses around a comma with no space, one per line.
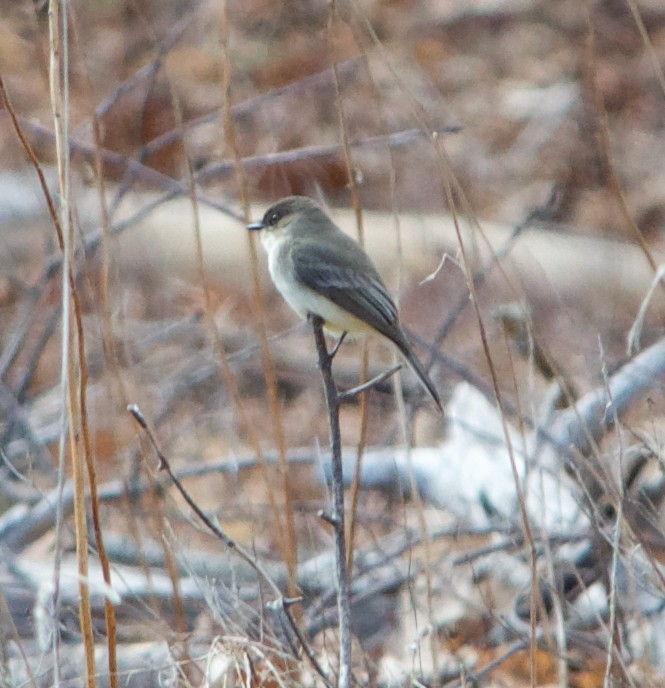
(284,212)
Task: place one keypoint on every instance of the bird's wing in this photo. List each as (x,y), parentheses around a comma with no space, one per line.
(358,290)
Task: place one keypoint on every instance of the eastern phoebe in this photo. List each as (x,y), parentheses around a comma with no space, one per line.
(321,271)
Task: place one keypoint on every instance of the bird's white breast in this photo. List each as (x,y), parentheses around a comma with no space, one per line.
(302,299)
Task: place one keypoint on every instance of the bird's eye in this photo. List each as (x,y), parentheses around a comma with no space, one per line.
(274,218)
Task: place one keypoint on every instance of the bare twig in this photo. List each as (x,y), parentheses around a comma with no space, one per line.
(604,145)
(252,105)
(355,391)
(352,183)
(283,515)
(280,602)
(15,415)
(474,678)
(147,72)
(285,608)
(164,465)
(635,333)
(394,140)
(590,418)
(448,181)
(481,275)
(73,376)
(336,518)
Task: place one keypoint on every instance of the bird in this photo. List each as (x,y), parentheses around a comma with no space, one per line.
(321,271)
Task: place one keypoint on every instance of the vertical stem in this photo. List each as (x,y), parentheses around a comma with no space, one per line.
(337,515)
(288,543)
(59,104)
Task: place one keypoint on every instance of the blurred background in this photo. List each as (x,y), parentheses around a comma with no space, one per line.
(537,125)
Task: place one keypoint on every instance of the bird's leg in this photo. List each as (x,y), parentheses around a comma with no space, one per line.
(337,345)
(317,322)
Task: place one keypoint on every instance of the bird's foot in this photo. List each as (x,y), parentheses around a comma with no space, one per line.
(317,323)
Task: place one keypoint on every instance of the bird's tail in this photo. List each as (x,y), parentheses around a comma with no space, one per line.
(417,367)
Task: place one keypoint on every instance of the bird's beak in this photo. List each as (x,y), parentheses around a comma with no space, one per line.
(256,225)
